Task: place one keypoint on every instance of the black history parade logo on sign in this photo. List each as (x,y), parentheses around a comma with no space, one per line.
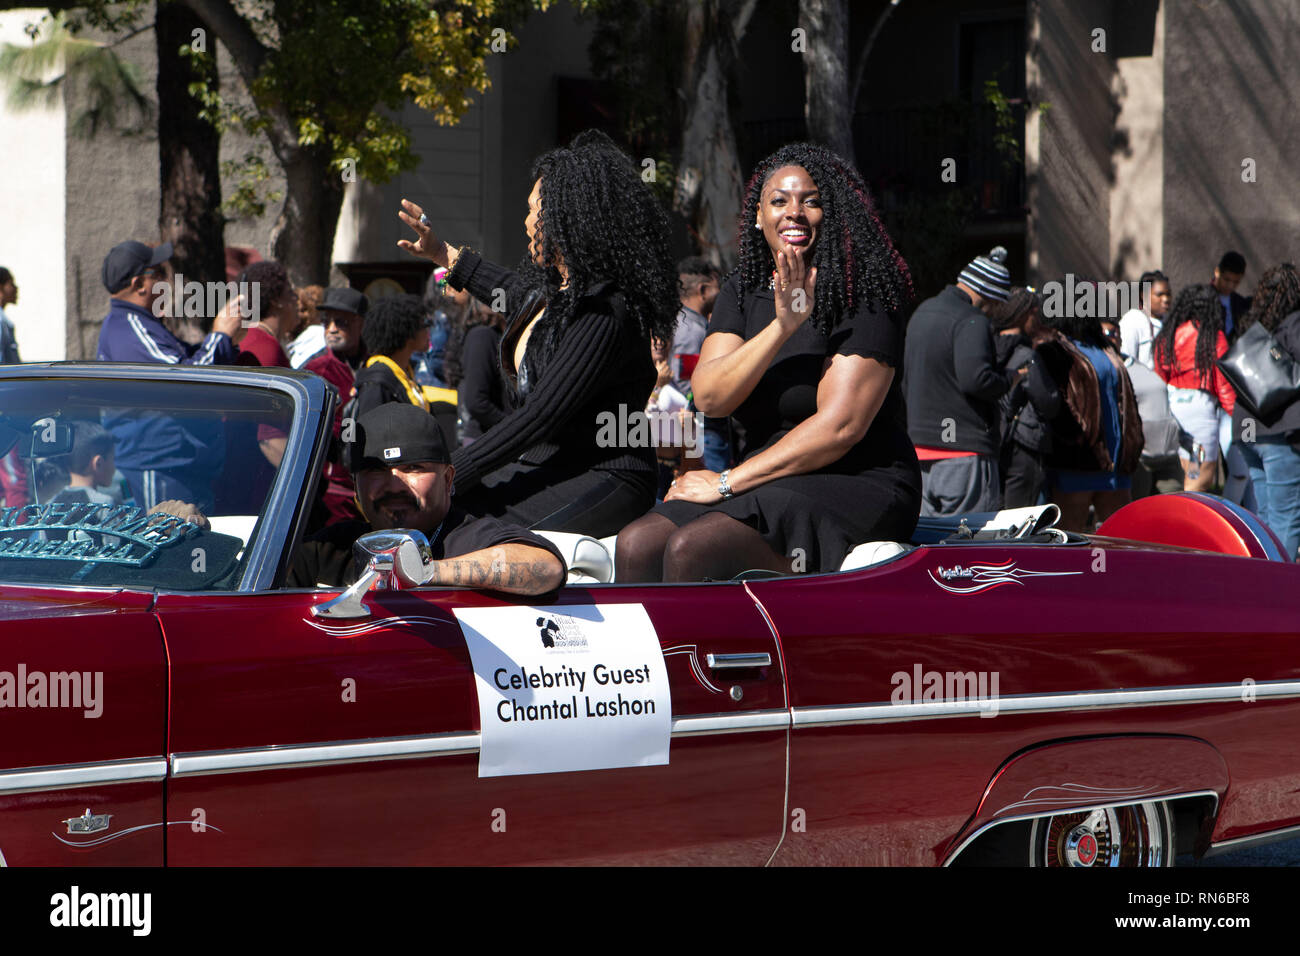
(560,632)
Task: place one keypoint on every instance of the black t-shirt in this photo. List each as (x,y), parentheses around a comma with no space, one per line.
(787,392)
(325,558)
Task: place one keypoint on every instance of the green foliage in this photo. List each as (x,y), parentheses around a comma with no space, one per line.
(1005,140)
(1005,123)
(58,62)
(250,196)
(663,183)
(339,72)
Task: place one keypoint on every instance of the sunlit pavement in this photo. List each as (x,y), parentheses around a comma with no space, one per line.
(1286,853)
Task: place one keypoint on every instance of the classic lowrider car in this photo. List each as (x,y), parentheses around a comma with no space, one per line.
(995,690)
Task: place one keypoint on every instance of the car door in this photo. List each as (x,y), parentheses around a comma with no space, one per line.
(83,705)
(314,742)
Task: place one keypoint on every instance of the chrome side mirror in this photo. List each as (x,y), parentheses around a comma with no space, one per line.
(394,560)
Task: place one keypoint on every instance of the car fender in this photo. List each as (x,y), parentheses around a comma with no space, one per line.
(1073,775)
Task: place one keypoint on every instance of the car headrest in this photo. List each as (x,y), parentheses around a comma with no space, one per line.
(587,558)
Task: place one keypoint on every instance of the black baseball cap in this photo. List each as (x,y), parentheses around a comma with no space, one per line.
(126,260)
(398,434)
(344,300)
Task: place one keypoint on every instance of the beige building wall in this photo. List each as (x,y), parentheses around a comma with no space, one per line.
(1068,148)
(32,210)
(1137,198)
(448,184)
(1232,81)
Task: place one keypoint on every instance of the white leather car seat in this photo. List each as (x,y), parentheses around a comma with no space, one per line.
(588,560)
(873,552)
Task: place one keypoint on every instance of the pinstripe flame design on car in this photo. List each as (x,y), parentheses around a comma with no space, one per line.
(985,577)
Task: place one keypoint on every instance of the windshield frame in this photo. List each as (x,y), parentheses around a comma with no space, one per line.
(295,479)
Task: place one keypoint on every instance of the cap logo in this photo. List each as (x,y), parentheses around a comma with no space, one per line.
(391,453)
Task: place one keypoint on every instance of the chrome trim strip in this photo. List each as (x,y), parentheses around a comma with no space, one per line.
(952,855)
(720,661)
(1037,703)
(315,755)
(437,745)
(1257,839)
(71,776)
(742,723)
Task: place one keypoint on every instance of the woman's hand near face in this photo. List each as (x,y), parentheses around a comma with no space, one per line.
(426,245)
(795,285)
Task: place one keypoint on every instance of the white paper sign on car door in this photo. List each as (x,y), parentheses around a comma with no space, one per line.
(568,688)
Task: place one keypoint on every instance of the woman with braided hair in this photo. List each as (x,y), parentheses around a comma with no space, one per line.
(804,344)
(1185,351)
(1272,447)
(596,284)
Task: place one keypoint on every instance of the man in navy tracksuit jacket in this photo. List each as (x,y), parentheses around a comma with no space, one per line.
(172,456)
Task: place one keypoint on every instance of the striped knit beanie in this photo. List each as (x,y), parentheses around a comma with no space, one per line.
(988,276)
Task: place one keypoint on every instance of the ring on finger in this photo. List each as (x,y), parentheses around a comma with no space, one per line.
(424,221)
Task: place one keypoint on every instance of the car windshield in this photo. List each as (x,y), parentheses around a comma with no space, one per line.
(97,476)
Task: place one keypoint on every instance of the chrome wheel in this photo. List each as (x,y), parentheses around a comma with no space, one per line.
(1141,834)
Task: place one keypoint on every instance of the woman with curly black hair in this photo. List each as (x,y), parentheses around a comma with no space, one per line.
(1271,446)
(596,285)
(1185,352)
(395,330)
(1096,433)
(803,347)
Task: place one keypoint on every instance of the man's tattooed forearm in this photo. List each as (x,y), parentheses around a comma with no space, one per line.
(529,575)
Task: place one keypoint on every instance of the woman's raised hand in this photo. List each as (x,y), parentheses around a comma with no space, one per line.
(427,245)
(794,290)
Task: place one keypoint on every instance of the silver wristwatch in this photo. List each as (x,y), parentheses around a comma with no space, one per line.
(724,487)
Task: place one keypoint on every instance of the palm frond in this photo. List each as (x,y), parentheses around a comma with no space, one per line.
(57,61)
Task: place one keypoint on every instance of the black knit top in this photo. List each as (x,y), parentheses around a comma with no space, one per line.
(600,362)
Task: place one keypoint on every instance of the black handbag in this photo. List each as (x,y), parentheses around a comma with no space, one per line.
(1265,375)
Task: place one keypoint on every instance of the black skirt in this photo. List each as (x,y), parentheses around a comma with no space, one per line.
(546,498)
(817,519)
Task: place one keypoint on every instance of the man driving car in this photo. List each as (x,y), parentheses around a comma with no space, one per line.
(404,479)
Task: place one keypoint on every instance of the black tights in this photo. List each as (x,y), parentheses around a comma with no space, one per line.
(714,547)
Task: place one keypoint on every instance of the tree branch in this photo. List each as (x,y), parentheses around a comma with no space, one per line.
(861,70)
(224,20)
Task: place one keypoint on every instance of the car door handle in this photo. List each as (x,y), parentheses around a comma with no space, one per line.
(723,661)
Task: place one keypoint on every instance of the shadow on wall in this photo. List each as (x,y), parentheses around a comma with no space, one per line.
(1231,76)
(1076,168)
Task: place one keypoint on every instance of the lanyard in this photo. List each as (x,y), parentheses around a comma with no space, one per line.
(412,392)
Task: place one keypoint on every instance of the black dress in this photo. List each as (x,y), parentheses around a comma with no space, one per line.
(872,493)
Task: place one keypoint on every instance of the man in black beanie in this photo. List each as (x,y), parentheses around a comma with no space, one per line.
(404,479)
(952,385)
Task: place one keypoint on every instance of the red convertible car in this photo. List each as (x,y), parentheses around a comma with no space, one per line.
(993,691)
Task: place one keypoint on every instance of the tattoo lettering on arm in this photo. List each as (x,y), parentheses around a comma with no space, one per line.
(490,569)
